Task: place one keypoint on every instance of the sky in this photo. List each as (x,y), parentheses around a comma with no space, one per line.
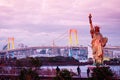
(40,22)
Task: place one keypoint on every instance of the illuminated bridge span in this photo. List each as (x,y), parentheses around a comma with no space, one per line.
(113,48)
(53,47)
(41,47)
(80,53)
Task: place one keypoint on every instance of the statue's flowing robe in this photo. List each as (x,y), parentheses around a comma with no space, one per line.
(98,43)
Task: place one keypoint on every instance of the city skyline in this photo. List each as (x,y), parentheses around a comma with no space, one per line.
(40,22)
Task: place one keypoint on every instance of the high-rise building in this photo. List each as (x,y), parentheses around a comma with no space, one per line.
(111,52)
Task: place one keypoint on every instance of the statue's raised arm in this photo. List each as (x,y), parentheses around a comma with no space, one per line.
(90,21)
(92,31)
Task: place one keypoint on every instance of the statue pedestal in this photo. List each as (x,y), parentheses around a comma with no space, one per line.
(101,72)
(91,67)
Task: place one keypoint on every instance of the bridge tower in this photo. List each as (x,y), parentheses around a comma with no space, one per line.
(73,32)
(11,41)
(73,41)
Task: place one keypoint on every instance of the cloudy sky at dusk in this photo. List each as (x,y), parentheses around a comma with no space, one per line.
(39,22)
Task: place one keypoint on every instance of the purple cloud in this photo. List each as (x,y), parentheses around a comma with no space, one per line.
(44,20)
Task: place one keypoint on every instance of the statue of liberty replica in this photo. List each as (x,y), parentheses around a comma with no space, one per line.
(98,42)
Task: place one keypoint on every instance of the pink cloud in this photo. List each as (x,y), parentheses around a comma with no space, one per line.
(45,16)
(44,10)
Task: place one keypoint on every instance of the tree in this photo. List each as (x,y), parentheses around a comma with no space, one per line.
(63,75)
(18,63)
(35,62)
(102,73)
(28,74)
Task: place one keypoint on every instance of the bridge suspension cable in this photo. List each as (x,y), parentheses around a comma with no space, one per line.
(62,37)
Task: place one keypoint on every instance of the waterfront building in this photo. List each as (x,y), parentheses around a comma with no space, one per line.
(79,53)
(111,52)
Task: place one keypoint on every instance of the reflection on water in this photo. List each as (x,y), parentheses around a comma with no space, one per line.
(115,69)
(50,70)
